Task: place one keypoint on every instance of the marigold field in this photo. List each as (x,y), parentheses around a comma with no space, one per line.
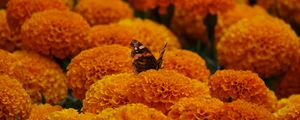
(149,60)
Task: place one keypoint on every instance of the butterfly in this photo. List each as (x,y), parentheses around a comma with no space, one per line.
(143,59)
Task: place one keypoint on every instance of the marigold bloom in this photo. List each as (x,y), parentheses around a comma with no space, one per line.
(58,33)
(69,114)
(293,99)
(151,34)
(187,63)
(243,110)
(45,77)
(289,11)
(40,111)
(229,85)
(18,11)
(93,64)
(225,20)
(14,101)
(288,109)
(161,89)
(262,44)
(103,11)
(195,108)
(145,5)
(131,112)
(109,92)
(5,33)
(268,4)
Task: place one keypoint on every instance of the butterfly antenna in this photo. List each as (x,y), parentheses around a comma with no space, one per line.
(160,59)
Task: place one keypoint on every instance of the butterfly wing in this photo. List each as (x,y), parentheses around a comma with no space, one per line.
(160,59)
(143,59)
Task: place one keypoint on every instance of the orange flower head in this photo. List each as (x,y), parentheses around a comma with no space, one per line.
(195,108)
(103,11)
(58,33)
(161,89)
(109,92)
(93,64)
(187,63)
(69,114)
(243,110)
(45,77)
(151,34)
(131,112)
(289,109)
(40,111)
(225,20)
(262,44)
(18,11)
(14,101)
(230,85)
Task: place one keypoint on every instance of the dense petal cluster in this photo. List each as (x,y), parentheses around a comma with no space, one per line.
(289,109)
(187,63)
(131,112)
(46,78)
(195,108)
(229,85)
(268,52)
(145,5)
(40,111)
(289,11)
(5,33)
(109,92)
(93,64)
(151,34)
(242,110)
(18,11)
(161,89)
(14,101)
(103,11)
(69,114)
(225,20)
(111,34)
(58,33)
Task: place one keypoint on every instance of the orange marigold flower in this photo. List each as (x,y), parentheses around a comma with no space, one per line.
(109,92)
(69,3)
(229,85)
(289,109)
(195,108)
(187,63)
(161,89)
(91,65)
(70,114)
(103,11)
(293,99)
(145,5)
(5,33)
(40,111)
(151,34)
(131,112)
(267,3)
(18,11)
(14,101)
(58,33)
(225,20)
(46,78)
(243,110)
(262,44)
(289,11)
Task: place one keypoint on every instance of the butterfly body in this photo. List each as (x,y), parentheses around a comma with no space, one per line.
(143,59)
